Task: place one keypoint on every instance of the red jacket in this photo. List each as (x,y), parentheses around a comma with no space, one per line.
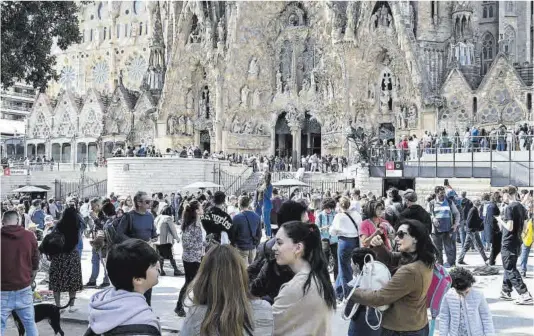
(19,257)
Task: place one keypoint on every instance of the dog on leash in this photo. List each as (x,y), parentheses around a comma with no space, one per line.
(44,311)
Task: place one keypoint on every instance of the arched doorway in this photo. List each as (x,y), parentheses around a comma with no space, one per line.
(283,139)
(205,141)
(311,136)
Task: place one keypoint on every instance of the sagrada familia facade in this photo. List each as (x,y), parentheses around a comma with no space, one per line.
(282,78)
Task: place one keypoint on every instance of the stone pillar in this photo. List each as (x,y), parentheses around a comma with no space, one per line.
(308,142)
(272,149)
(218,112)
(196,138)
(73,153)
(296,153)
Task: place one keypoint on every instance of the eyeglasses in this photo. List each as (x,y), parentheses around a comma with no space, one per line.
(401,234)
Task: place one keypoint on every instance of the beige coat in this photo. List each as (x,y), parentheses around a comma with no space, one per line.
(297,314)
(166,229)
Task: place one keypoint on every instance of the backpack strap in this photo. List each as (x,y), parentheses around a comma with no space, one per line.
(353,222)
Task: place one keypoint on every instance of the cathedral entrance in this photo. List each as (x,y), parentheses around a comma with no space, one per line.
(311,137)
(283,139)
(205,141)
(386,131)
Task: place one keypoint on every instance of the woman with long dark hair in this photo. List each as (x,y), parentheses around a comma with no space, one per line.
(305,304)
(407,289)
(65,267)
(193,242)
(222,303)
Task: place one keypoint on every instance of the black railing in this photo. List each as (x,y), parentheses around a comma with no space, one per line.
(502,167)
(96,189)
(231,183)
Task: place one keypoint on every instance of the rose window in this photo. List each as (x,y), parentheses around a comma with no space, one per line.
(100,72)
(137,68)
(67,76)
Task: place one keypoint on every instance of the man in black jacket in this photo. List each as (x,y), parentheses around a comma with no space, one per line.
(217,222)
(414,210)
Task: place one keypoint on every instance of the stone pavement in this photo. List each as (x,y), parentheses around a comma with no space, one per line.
(508,317)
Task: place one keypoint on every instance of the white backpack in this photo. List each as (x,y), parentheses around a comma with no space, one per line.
(374,276)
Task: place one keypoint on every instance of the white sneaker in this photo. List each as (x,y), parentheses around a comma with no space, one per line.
(524,299)
(72,309)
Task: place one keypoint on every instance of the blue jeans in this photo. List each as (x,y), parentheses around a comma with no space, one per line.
(525,251)
(462,232)
(345,247)
(20,301)
(95,261)
(267,220)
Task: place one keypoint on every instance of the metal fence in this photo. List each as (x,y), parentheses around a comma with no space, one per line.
(231,182)
(506,167)
(94,189)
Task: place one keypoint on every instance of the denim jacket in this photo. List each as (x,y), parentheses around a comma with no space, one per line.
(323,220)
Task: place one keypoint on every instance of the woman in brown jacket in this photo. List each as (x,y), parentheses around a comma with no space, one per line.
(406,291)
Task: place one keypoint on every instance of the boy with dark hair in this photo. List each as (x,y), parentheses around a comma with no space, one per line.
(217,222)
(133,269)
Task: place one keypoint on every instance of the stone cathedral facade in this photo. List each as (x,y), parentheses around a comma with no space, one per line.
(284,78)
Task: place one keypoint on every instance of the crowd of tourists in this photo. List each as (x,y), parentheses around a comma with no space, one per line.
(261,264)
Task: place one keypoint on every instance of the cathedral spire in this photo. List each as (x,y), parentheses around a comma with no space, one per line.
(155,76)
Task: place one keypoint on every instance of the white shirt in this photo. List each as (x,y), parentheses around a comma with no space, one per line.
(232,210)
(161,205)
(343,226)
(84,210)
(355,206)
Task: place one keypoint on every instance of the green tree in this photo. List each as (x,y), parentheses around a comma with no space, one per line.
(29,30)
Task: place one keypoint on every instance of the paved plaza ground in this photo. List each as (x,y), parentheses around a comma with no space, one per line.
(509,318)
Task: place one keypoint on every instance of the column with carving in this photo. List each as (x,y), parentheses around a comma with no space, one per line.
(272,148)
(218,125)
(294,121)
(115,11)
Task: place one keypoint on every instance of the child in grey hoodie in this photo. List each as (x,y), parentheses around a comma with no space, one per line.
(132,267)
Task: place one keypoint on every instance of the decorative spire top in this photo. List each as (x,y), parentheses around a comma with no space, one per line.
(462,6)
(155,76)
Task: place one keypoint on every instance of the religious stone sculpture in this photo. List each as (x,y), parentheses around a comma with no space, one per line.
(349,31)
(189,100)
(253,69)
(171,124)
(244,96)
(401,117)
(279,82)
(182,125)
(412,116)
(209,33)
(220,31)
(189,126)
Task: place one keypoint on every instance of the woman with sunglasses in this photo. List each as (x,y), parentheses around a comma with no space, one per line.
(406,292)
(464,310)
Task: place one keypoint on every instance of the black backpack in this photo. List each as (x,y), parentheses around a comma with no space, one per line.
(52,244)
(110,230)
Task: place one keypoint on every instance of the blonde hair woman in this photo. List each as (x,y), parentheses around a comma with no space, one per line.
(222,303)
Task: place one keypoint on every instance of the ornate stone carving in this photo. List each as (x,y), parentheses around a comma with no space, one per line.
(189,101)
(294,118)
(253,69)
(238,141)
(244,96)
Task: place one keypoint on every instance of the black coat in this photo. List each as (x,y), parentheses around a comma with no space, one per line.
(416,212)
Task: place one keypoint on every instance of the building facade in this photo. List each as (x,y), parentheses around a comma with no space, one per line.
(284,78)
(17,103)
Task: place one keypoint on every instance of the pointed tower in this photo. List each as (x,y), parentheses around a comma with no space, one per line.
(155,75)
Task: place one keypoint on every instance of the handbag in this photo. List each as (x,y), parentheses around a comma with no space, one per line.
(374,276)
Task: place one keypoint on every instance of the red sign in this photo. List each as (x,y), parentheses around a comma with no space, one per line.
(7,172)
(390,165)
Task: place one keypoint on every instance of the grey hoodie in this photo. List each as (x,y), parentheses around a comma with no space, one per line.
(111,308)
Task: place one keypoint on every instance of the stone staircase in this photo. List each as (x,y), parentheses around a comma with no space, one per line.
(250,184)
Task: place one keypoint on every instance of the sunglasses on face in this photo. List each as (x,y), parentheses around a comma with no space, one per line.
(401,234)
